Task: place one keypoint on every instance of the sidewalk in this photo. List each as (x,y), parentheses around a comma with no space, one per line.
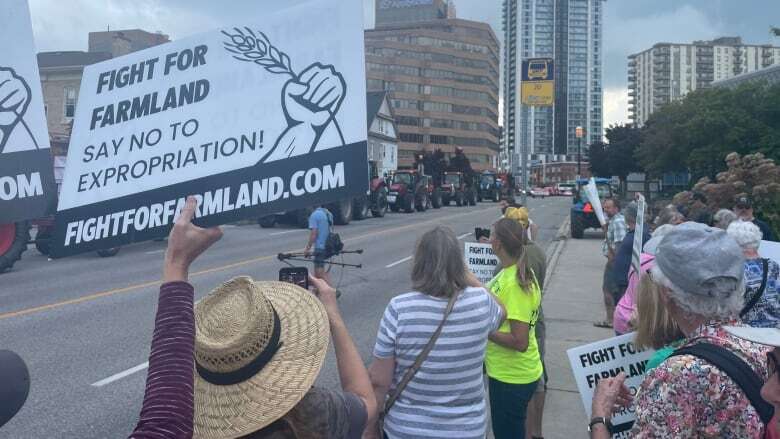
(572,302)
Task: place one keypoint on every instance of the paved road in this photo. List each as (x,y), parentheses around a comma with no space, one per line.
(84,323)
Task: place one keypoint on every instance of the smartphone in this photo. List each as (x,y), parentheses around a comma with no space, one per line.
(296,276)
(480,232)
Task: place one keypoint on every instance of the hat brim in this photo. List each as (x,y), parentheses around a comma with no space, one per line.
(764,336)
(240,409)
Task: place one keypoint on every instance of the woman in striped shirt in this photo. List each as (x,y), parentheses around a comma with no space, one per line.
(446,397)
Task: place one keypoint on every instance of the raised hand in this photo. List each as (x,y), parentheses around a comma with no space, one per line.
(186,242)
(14,97)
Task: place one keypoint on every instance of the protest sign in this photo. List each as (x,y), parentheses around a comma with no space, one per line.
(481,260)
(638,234)
(252,119)
(771,250)
(27,187)
(605,359)
(595,201)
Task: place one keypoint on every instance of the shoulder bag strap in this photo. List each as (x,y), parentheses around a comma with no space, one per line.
(736,368)
(393,396)
(760,292)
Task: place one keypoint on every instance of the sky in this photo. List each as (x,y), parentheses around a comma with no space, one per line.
(630,26)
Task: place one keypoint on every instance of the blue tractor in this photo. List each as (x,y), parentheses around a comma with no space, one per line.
(582,214)
(489,187)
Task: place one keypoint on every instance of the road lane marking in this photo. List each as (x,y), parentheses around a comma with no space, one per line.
(464,235)
(399,262)
(127,289)
(154,252)
(120,375)
(288,232)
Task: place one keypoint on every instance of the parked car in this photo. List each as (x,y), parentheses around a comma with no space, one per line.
(539,192)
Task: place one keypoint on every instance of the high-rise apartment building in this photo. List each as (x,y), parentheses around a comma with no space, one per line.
(570,32)
(442,78)
(667,71)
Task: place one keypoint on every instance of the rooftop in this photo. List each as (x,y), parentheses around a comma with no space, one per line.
(73,58)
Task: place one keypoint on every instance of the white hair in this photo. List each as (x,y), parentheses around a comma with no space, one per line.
(662,230)
(727,303)
(724,217)
(747,234)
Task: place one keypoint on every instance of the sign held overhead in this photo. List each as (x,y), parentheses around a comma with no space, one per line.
(251,120)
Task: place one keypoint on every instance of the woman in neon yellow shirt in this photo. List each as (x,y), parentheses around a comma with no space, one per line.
(512,359)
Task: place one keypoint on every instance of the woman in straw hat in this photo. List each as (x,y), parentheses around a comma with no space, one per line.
(167,408)
(427,368)
(258,350)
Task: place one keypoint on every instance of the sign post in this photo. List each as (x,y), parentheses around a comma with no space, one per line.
(537,89)
(27,188)
(481,260)
(606,359)
(636,256)
(251,120)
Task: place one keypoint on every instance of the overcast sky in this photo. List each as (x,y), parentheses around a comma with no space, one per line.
(629,25)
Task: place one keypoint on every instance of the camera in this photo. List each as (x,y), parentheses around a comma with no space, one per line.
(480,233)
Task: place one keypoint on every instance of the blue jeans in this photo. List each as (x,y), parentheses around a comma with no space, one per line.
(508,406)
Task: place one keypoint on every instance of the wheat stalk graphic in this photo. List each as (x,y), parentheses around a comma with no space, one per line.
(248,46)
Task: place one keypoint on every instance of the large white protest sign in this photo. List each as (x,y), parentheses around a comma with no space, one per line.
(257,118)
(481,260)
(593,196)
(771,250)
(605,359)
(27,187)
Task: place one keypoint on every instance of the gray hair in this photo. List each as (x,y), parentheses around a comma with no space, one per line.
(727,303)
(723,218)
(438,268)
(747,234)
(630,212)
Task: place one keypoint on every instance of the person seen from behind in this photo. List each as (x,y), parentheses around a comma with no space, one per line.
(258,351)
(615,232)
(762,299)
(320,223)
(624,253)
(699,270)
(513,363)
(744,210)
(723,218)
(444,396)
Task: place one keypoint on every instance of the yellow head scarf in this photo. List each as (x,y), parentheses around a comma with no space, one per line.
(519,214)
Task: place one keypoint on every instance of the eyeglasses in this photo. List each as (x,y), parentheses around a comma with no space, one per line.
(771,364)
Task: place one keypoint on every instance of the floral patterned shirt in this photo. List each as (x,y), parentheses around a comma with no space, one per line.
(766,312)
(686,397)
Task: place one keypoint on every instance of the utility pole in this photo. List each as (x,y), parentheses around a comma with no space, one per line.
(580,133)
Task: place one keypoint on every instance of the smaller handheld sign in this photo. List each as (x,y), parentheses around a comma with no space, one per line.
(606,359)
(771,250)
(593,197)
(481,260)
(638,234)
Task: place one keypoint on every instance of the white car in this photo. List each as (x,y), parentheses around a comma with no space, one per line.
(539,192)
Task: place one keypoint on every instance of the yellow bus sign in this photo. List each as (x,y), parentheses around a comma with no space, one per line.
(538,93)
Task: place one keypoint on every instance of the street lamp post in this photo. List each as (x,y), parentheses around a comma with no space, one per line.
(580,133)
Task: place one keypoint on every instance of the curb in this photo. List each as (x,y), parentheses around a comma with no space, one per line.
(557,246)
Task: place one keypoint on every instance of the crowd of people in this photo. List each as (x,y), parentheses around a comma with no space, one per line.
(454,357)
(707,302)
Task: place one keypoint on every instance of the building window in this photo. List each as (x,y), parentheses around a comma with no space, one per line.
(70,102)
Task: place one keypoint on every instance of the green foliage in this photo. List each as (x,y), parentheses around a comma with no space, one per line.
(697,133)
(597,157)
(617,156)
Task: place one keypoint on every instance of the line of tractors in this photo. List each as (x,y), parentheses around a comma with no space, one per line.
(433,183)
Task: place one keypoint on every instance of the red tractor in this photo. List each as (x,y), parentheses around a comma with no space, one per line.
(410,190)
(455,188)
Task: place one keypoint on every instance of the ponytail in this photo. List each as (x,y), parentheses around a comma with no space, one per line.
(513,238)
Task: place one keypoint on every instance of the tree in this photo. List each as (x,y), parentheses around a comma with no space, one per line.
(624,140)
(599,164)
(775,31)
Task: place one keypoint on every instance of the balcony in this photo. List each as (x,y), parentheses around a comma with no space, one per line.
(631,83)
(632,93)
(631,116)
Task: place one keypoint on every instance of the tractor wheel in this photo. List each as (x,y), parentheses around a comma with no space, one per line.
(395,207)
(421,202)
(360,208)
(472,197)
(577,227)
(43,241)
(342,212)
(459,199)
(380,207)
(436,200)
(13,242)
(267,222)
(108,252)
(408,203)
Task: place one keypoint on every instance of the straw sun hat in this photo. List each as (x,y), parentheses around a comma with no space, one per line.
(259,347)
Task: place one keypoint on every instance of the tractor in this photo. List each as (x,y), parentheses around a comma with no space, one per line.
(582,214)
(490,187)
(411,190)
(455,188)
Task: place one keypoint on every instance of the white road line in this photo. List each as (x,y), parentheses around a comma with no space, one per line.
(120,375)
(464,235)
(408,258)
(154,252)
(288,232)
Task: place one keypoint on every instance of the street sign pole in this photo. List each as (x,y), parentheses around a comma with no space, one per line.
(579,132)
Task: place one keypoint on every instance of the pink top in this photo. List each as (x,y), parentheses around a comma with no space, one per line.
(627,304)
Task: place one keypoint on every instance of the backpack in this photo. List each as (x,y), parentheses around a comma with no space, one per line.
(333,244)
